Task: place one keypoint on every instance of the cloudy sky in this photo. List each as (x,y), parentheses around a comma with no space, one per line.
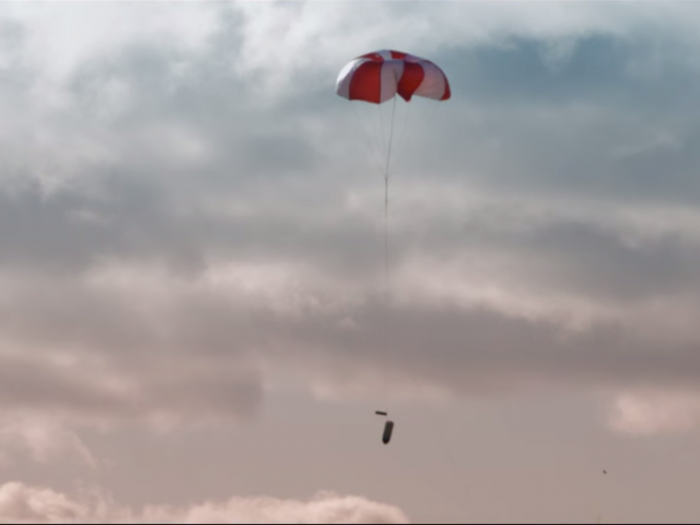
(191,284)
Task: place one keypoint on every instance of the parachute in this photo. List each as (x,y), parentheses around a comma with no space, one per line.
(380,76)
(376,78)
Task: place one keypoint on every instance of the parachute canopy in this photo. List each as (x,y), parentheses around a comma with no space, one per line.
(380,76)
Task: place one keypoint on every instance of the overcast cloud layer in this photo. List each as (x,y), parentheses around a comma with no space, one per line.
(190,223)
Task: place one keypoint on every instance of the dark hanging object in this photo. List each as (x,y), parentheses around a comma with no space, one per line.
(388,431)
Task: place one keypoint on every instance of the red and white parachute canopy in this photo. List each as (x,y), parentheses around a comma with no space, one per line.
(380,76)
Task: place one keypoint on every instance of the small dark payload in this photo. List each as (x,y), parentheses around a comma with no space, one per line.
(380,413)
(388,431)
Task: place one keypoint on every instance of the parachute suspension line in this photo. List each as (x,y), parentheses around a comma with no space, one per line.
(408,117)
(387,280)
(370,141)
(424,114)
(382,131)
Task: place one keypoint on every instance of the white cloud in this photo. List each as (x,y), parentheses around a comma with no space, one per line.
(656,412)
(25,504)
(22,504)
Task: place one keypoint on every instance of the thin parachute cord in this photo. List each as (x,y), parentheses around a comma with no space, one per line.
(375,120)
(370,132)
(382,133)
(405,138)
(407,115)
(425,116)
(403,122)
(370,140)
(387,277)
